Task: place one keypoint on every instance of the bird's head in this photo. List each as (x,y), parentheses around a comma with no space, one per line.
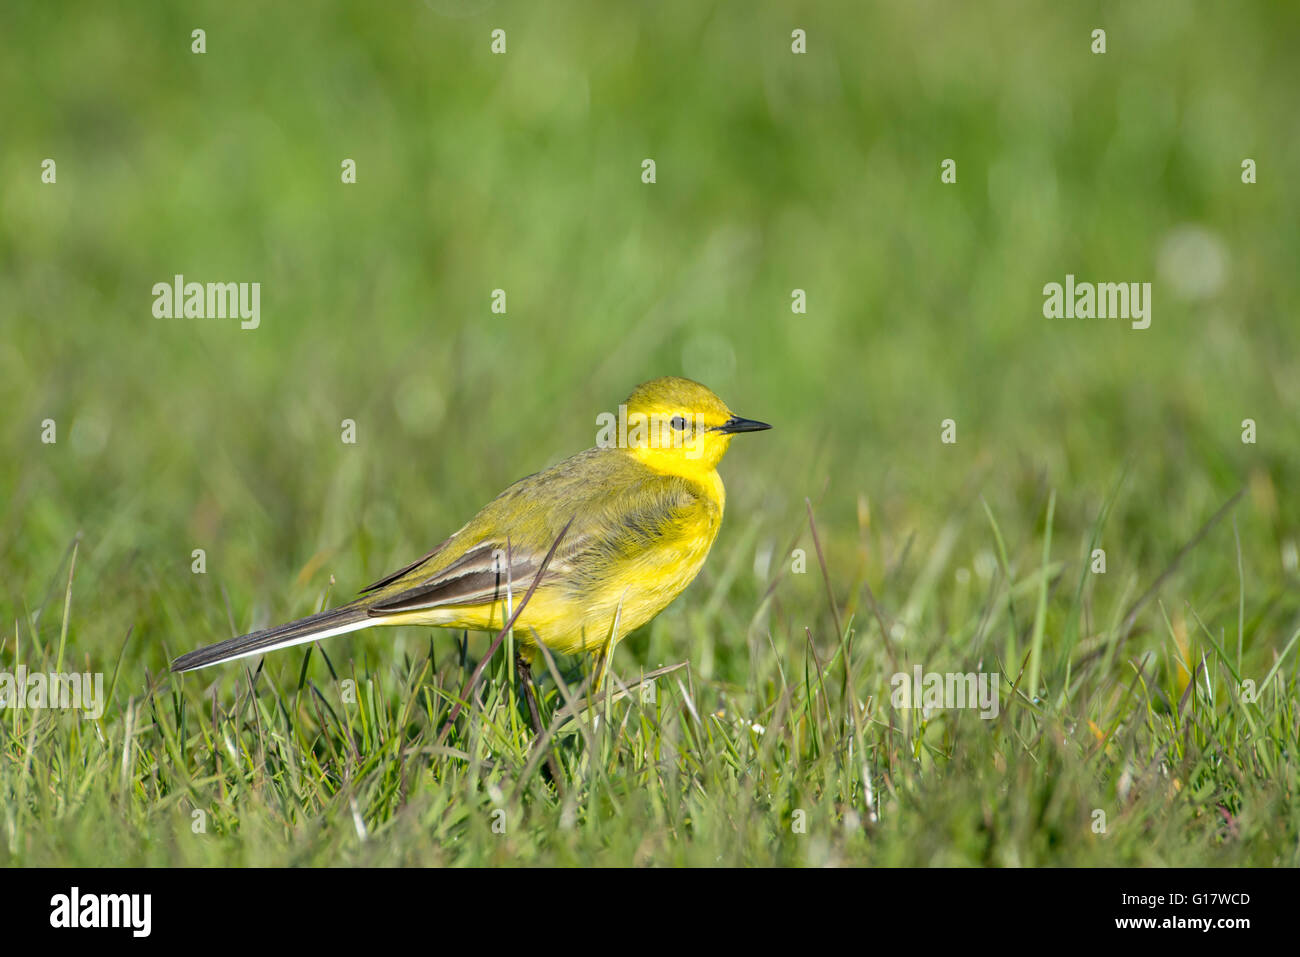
(678,426)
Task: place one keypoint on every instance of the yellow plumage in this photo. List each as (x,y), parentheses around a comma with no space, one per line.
(641,516)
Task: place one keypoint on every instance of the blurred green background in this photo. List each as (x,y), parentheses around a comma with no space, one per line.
(522,172)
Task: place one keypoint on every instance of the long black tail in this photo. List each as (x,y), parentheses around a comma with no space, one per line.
(336,621)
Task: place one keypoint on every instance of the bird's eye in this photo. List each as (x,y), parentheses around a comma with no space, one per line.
(678,423)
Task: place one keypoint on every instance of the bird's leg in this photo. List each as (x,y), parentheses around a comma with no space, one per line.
(524,671)
(599,666)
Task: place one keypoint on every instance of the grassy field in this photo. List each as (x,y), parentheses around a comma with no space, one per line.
(1147,714)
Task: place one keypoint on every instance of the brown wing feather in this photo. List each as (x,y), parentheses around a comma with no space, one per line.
(476,578)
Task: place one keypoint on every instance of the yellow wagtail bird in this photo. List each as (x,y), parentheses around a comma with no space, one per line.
(630,523)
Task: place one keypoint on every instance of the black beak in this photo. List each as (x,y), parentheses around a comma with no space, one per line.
(737,424)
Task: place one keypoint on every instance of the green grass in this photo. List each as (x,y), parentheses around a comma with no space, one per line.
(1121,692)
(321,757)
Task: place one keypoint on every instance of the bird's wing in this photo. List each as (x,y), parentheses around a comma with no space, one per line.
(610,507)
(484,574)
